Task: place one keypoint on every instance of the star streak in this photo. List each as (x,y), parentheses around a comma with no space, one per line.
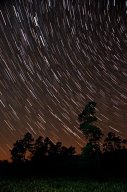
(55,56)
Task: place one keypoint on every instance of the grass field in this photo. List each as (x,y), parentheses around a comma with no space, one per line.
(61,185)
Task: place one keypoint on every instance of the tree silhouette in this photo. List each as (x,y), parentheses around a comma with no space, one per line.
(38,143)
(113,142)
(88,114)
(92,133)
(21,148)
(45,147)
(71,151)
(28,144)
(39,150)
(48,144)
(18,151)
(55,149)
(42,148)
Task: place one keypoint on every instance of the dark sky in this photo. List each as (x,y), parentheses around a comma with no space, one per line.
(55,56)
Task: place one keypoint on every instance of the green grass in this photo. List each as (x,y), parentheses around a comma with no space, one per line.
(61,185)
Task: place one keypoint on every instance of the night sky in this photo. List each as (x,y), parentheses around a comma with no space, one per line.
(55,56)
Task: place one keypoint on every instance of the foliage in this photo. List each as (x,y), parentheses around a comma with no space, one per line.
(88,114)
(93,134)
(21,147)
(38,150)
(113,142)
(45,147)
(18,151)
(87,117)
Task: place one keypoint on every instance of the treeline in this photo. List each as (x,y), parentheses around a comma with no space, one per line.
(101,156)
(26,149)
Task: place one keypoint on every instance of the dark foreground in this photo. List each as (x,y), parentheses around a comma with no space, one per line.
(72,174)
(61,185)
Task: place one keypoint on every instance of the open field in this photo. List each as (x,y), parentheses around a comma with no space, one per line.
(61,185)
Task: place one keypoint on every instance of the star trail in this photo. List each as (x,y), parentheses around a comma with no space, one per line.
(55,56)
